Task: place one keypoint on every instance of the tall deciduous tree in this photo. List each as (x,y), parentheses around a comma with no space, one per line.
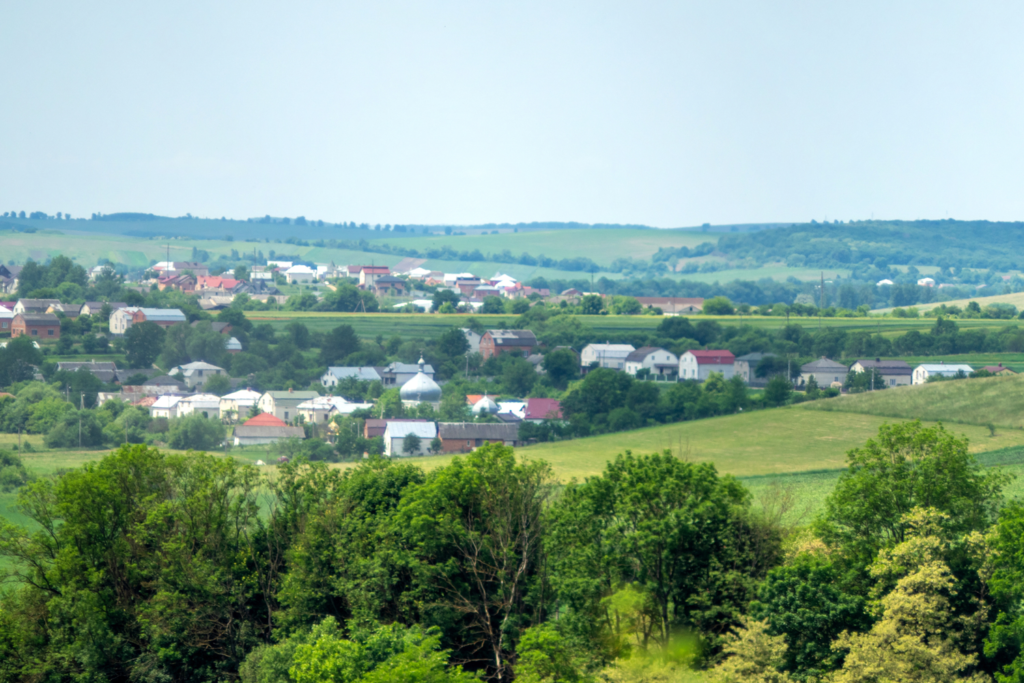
(143,343)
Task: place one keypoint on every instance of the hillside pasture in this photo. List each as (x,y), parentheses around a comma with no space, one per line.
(995,400)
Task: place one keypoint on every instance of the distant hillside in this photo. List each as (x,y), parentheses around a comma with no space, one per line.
(996,400)
(944,243)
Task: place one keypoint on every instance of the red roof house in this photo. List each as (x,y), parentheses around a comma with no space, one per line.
(538,409)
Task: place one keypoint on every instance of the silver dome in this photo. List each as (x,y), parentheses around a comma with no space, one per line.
(421,388)
(485,405)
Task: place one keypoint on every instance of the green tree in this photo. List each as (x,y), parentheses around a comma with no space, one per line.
(669,526)
(907,466)
(339,343)
(778,390)
(476,528)
(218,384)
(411,444)
(136,543)
(752,655)
(916,637)
(718,305)
(17,360)
(562,366)
(591,304)
(442,297)
(492,305)
(196,432)
(518,376)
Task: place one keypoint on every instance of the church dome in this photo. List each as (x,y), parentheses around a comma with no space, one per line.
(485,406)
(421,388)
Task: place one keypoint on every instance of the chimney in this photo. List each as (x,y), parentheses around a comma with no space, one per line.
(290,390)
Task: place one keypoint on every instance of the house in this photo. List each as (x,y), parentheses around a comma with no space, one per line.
(893,373)
(70,311)
(473,338)
(388,285)
(233,346)
(698,365)
(884,283)
(924,371)
(216,282)
(463,437)
(34,305)
(183,283)
(824,371)
(396,432)
(284,404)
(123,318)
(746,367)
(374,427)
(659,362)
(9,278)
(104,371)
(299,275)
(95,307)
(336,374)
(165,407)
(497,342)
(998,370)
(318,410)
(169,268)
(516,409)
(162,384)
(265,429)
(467,286)
(368,275)
(926,282)
(218,327)
(238,404)
(611,356)
(6,318)
(398,374)
(42,325)
(540,409)
(207,405)
(672,305)
(197,373)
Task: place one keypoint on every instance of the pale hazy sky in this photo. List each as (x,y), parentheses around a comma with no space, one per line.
(669,114)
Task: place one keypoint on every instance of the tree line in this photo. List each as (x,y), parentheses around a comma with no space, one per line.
(151,566)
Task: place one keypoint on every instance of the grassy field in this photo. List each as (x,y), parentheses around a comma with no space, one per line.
(433,324)
(996,400)
(601,245)
(1016,299)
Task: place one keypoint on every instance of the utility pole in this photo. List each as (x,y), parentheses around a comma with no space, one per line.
(81,407)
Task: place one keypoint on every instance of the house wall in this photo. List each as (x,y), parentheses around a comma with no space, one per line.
(689,368)
(824,379)
(468,445)
(20,327)
(395,447)
(488,348)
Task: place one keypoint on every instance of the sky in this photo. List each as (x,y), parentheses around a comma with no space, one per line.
(660,113)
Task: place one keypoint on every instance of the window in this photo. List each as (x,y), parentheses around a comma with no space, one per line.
(286,414)
(35,333)
(49,331)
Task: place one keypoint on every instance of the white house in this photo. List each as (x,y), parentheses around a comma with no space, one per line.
(318,410)
(166,407)
(473,338)
(301,275)
(6,318)
(924,371)
(698,365)
(197,373)
(926,282)
(207,405)
(284,405)
(884,283)
(892,373)
(660,362)
(824,371)
(237,405)
(612,356)
(395,433)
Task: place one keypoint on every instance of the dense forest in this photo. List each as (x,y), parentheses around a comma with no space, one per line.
(154,567)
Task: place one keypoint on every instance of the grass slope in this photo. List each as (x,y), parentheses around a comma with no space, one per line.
(1017,299)
(996,400)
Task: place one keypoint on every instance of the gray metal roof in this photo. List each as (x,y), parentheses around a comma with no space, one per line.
(365,374)
(498,431)
(513,337)
(824,365)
